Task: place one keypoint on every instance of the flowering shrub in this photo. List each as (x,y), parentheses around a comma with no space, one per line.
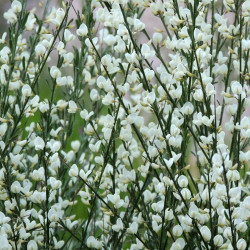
(112,137)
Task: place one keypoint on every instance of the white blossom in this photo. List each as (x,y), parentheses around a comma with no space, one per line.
(82,30)
(39,143)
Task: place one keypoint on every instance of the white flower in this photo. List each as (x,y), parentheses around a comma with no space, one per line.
(86,115)
(55,72)
(3,128)
(26,90)
(157,37)
(61,104)
(235,194)
(241,244)
(43,106)
(198,35)
(39,143)
(60,13)
(193,211)
(95,147)
(158,206)
(218,240)
(108,99)
(68,36)
(4,243)
(94,95)
(133,228)
(188,108)
(120,47)
(118,226)
(58,244)
(169,215)
(149,74)
(215,202)
(55,184)
(40,49)
(138,25)
(53,215)
(15,187)
(126,133)
(182,181)
(32,245)
(16,6)
(236,88)
(198,95)
(84,175)
(146,52)
(38,175)
(92,242)
(206,233)
(150,98)
(99,160)
(169,162)
(246,202)
(210,89)
(16,159)
(176,157)
(30,22)
(73,172)
(186,193)
(75,145)
(38,197)
(109,40)
(89,130)
(72,107)
(2,40)
(207,121)
(242,227)
(10,16)
(177,230)
(3,219)
(227,233)
(82,30)
(116,200)
(153,152)
(179,244)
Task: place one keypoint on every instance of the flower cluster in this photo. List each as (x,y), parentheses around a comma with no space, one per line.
(114,137)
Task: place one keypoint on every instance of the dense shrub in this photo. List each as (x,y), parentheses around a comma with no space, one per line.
(115,135)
